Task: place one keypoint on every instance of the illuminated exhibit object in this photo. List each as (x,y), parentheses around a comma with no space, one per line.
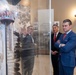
(6,31)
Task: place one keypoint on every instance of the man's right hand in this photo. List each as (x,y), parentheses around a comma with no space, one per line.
(54,52)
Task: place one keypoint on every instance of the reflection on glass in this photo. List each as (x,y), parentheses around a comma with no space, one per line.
(2,51)
(29,60)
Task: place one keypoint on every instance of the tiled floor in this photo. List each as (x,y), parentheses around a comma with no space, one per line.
(42,66)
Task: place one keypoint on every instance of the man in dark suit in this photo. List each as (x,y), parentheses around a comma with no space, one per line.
(54,51)
(66,45)
(27,53)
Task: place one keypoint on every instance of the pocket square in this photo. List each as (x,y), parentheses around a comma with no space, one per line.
(65,41)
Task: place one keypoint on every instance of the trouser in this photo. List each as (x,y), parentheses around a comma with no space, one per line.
(27,65)
(55,64)
(64,70)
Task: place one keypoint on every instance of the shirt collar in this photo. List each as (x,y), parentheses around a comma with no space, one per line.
(68,31)
(57,33)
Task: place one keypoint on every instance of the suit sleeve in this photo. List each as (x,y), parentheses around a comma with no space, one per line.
(69,45)
(16,33)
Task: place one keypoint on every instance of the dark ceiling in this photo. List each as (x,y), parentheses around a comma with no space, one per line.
(13,2)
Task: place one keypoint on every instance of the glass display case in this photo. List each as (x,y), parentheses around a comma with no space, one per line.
(11,61)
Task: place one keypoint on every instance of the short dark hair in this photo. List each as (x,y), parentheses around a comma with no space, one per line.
(67,20)
(56,24)
(30,27)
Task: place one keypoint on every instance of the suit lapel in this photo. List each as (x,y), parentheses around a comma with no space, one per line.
(58,36)
(65,40)
(68,35)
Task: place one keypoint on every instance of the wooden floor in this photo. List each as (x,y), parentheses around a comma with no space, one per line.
(75,71)
(43,66)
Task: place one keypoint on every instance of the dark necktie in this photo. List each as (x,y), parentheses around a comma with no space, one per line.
(54,38)
(64,35)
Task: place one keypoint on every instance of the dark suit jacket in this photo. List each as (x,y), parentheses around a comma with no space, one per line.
(27,46)
(53,48)
(67,53)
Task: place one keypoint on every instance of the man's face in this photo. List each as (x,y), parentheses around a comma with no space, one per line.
(66,27)
(55,29)
(30,30)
